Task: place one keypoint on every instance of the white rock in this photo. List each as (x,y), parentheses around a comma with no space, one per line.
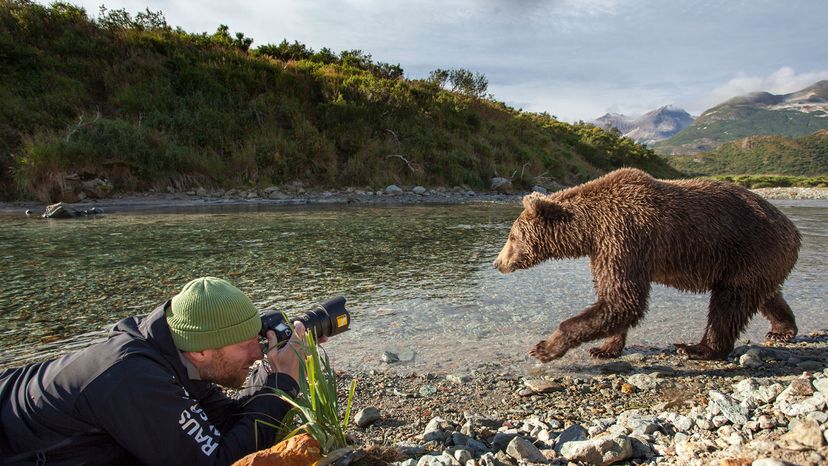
(766,422)
(523,451)
(601,451)
(806,432)
(750,361)
(734,412)
(642,381)
(769,462)
(813,403)
(821,385)
(443,459)
(769,393)
(462,455)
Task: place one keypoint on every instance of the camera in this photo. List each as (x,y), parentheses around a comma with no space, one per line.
(324,320)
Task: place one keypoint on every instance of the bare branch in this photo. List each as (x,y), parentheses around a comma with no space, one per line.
(73,129)
(396,138)
(522,170)
(407,162)
(80,124)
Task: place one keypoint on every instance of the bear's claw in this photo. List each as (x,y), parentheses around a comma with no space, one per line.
(780,336)
(699,351)
(600,353)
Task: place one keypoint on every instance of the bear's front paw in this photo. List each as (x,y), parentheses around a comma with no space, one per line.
(541,352)
(699,351)
(780,336)
(599,352)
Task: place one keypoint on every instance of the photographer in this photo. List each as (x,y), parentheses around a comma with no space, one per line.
(148,393)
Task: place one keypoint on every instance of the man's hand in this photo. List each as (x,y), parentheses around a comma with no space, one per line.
(286,359)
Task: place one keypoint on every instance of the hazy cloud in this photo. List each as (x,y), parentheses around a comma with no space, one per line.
(782,81)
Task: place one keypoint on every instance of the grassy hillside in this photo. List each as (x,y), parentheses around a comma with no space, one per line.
(806,156)
(148,106)
(706,134)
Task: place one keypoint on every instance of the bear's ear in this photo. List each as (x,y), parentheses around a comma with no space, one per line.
(537,205)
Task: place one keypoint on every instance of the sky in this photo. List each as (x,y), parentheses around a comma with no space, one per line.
(575,59)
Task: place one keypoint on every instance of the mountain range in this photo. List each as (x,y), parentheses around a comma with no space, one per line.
(793,115)
(672,131)
(656,125)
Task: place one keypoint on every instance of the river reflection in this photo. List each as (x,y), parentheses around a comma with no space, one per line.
(418,279)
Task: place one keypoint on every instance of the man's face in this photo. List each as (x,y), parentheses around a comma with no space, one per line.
(229,365)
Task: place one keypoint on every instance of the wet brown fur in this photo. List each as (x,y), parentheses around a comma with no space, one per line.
(694,235)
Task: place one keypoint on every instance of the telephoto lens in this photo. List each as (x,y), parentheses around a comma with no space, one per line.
(325,320)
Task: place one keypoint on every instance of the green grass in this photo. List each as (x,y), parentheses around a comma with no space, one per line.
(762,155)
(316,410)
(187,110)
(775,181)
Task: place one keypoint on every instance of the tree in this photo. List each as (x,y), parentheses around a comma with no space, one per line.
(461,80)
(286,51)
(438,77)
(222,37)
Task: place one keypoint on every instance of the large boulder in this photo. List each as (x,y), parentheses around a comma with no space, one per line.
(501,185)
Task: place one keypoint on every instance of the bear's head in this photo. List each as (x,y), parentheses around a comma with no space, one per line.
(537,234)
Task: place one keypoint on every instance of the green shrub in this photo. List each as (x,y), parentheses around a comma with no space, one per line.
(204,108)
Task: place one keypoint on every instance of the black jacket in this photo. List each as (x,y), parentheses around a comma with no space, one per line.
(128,400)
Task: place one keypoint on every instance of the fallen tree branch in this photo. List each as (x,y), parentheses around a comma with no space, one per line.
(407,162)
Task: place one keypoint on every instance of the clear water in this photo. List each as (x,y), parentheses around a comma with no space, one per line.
(418,279)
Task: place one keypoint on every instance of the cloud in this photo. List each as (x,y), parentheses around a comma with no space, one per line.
(782,81)
(572,101)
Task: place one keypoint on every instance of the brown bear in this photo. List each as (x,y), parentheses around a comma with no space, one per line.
(694,235)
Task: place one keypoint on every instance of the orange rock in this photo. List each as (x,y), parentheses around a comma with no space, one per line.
(627,388)
(301,450)
(736,462)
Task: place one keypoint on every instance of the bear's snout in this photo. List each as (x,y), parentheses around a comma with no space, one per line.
(501,264)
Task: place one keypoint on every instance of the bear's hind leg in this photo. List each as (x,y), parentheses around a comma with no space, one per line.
(612,347)
(729,312)
(781,318)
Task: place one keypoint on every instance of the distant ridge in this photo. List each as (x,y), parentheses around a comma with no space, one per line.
(759,113)
(656,125)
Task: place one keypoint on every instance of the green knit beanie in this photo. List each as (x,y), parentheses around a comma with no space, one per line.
(210,313)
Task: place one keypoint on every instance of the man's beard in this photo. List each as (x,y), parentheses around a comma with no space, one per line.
(220,371)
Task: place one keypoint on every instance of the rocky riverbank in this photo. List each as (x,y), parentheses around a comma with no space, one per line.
(300,196)
(765,406)
(792,193)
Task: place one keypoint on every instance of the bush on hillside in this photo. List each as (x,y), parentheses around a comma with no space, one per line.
(181,109)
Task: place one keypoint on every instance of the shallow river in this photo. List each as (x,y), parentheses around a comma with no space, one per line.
(418,280)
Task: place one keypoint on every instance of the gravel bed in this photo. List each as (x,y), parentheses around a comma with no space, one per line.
(766,406)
